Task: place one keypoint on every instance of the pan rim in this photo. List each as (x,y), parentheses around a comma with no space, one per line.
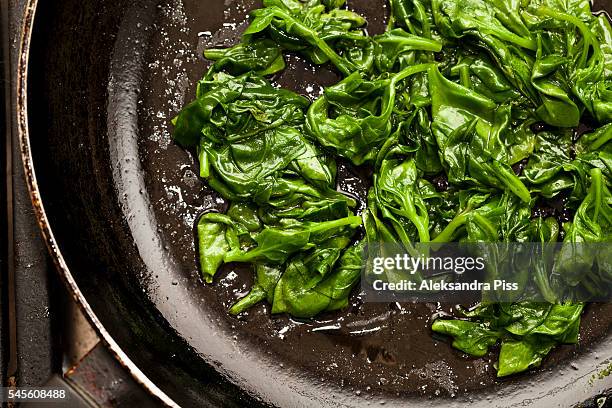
(21,99)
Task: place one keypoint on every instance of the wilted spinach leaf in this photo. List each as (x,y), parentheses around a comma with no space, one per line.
(466,114)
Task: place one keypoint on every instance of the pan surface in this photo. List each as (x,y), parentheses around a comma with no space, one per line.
(97,88)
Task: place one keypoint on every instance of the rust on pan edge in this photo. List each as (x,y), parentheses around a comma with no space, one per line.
(41,217)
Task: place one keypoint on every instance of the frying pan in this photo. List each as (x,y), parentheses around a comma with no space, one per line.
(98,82)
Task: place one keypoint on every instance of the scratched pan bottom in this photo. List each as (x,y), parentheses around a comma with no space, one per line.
(122,200)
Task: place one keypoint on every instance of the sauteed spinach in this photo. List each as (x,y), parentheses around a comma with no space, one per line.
(483,94)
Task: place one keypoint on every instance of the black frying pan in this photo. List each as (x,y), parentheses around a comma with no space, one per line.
(98,82)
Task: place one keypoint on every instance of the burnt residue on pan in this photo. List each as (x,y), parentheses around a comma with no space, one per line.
(371,350)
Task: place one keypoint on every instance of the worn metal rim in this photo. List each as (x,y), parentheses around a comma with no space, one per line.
(21,101)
